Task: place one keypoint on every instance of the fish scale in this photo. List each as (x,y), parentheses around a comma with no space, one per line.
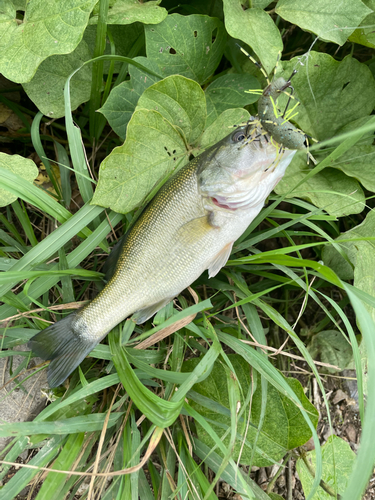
(189,226)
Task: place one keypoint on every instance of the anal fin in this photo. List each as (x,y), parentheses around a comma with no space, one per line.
(144,314)
(220,260)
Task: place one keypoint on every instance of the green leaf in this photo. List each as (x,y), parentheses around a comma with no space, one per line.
(332,94)
(191,46)
(256,28)
(161,412)
(338,461)
(48,28)
(333,21)
(353,249)
(181,101)
(51,244)
(283,427)
(46,89)
(128,12)
(232,474)
(18,165)
(83,423)
(222,126)
(123,99)
(330,346)
(43,285)
(364,35)
(364,463)
(19,480)
(54,482)
(227,92)
(129,173)
(358,162)
(329,189)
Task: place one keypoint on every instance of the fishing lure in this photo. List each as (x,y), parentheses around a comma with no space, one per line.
(274,122)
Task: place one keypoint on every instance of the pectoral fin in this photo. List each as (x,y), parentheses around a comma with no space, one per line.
(194,230)
(220,260)
(144,314)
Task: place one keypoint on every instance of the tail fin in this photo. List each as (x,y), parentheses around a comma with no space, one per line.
(65,346)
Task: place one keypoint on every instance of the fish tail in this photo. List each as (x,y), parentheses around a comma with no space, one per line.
(64,345)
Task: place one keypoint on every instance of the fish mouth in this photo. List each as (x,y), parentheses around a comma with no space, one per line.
(221,204)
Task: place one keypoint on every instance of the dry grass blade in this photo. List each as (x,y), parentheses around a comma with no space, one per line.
(165,332)
(101,441)
(294,356)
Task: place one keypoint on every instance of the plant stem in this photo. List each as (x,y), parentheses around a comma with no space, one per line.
(97,69)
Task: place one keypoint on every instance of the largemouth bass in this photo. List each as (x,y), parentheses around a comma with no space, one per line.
(189,227)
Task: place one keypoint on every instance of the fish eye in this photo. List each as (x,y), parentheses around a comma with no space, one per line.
(238,136)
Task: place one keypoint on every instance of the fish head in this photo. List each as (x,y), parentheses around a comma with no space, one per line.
(242,169)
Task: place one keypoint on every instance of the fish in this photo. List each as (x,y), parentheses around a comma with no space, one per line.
(189,227)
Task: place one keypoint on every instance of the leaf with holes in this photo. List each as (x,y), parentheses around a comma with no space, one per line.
(48,28)
(18,165)
(123,99)
(149,153)
(256,28)
(229,91)
(334,20)
(329,189)
(283,427)
(46,89)
(191,46)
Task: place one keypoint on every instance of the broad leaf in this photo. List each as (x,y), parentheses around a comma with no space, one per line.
(46,89)
(331,347)
(353,249)
(18,165)
(149,153)
(358,162)
(283,428)
(365,33)
(329,189)
(222,126)
(48,28)
(334,20)
(191,46)
(181,101)
(229,91)
(128,12)
(256,28)
(332,94)
(123,99)
(338,461)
